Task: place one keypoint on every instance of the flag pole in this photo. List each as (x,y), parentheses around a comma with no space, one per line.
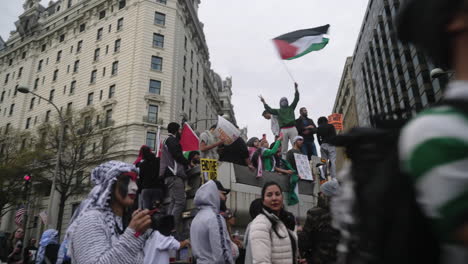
(287,69)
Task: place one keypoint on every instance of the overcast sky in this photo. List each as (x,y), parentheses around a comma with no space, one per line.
(239,34)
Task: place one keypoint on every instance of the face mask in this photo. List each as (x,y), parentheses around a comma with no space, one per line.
(132,187)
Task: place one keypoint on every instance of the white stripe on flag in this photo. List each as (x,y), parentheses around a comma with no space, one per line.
(304,43)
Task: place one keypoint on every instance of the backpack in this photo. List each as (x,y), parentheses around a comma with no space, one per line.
(391,227)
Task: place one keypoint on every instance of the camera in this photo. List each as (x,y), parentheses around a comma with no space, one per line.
(163,223)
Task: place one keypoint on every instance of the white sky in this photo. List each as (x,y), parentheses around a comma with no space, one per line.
(239,34)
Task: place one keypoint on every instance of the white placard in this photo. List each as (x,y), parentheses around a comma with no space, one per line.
(226,131)
(303,167)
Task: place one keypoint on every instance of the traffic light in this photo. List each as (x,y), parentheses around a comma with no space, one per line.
(26,186)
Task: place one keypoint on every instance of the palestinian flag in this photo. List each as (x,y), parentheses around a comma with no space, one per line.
(298,43)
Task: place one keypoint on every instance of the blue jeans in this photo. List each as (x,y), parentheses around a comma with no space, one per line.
(309,149)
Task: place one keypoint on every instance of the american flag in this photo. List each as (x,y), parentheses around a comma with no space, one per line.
(19,215)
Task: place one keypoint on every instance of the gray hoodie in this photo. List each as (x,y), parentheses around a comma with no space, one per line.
(208,233)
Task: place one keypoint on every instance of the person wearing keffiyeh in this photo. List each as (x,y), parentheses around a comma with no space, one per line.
(97,233)
(48,247)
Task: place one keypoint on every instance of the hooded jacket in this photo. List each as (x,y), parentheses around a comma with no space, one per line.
(208,233)
(285,113)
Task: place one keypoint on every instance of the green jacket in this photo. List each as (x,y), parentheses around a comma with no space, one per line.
(267,156)
(286,117)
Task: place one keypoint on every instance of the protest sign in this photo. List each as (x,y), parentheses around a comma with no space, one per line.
(209,169)
(226,131)
(303,167)
(336,120)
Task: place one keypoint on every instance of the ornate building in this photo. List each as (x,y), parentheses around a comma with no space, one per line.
(142,63)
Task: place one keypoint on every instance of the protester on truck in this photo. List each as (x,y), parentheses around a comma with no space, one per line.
(209,144)
(172,169)
(306,129)
(297,145)
(325,133)
(209,236)
(268,157)
(253,144)
(270,239)
(275,129)
(152,186)
(433,147)
(236,153)
(99,233)
(286,118)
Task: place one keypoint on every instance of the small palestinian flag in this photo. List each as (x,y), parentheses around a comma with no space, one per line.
(298,43)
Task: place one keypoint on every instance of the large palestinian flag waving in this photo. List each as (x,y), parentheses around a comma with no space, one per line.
(298,43)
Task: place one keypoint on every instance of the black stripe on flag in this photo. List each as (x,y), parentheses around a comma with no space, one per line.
(295,35)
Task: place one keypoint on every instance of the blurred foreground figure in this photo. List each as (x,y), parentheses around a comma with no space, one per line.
(434,145)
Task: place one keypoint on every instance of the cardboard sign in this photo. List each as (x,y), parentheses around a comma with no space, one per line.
(303,167)
(336,120)
(209,169)
(226,131)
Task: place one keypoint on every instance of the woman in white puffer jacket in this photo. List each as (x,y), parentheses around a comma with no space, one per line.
(269,238)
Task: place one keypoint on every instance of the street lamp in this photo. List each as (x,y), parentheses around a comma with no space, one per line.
(52,196)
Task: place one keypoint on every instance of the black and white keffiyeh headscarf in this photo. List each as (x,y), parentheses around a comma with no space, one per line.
(103,177)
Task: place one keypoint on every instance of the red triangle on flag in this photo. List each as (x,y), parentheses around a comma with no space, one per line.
(188,139)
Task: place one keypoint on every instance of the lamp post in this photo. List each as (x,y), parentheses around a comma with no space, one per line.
(50,216)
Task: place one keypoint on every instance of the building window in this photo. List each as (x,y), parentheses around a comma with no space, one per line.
(20,72)
(185,42)
(82,27)
(15,91)
(2,97)
(117,45)
(110,28)
(96,54)
(72,87)
(93,76)
(108,117)
(185,62)
(159,18)
(69,107)
(191,56)
(99,34)
(90,99)
(43,47)
(59,56)
(111,91)
(155,87)
(153,114)
(151,139)
(103,71)
(102,14)
(62,37)
(156,63)
(158,40)
(79,46)
(47,116)
(12,109)
(36,84)
(122,4)
(7,77)
(28,122)
(100,95)
(183,104)
(31,105)
(76,66)
(23,55)
(120,24)
(51,95)
(115,68)
(191,74)
(39,66)
(69,4)
(55,76)
(162,1)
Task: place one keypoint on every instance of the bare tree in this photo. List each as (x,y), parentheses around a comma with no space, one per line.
(18,157)
(89,139)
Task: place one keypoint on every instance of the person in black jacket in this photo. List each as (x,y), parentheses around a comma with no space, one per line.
(306,129)
(149,181)
(325,133)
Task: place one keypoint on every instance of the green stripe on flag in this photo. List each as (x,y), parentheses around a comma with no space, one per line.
(435,152)
(313,47)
